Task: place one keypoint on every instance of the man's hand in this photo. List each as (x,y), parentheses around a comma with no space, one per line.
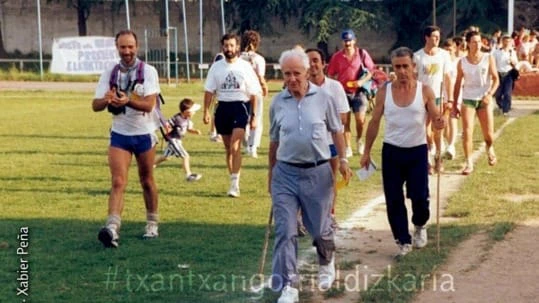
(252,122)
(345,170)
(439,122)
(119,99)
(365,160)
(109,95)
(206,117)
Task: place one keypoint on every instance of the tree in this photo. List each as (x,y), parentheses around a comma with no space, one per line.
(257,14)
(321,18)
(486,14)
(324,18)
(3,52)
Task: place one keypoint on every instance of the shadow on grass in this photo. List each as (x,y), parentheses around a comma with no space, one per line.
(187,263)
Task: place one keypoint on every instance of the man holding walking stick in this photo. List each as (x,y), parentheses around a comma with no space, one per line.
(405,103)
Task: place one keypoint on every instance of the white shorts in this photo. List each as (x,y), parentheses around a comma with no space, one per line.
(175,148)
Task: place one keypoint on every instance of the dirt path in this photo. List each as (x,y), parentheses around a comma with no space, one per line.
(366,249)
(505,273)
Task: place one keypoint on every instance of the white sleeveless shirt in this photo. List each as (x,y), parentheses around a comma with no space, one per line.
(405,126)
(476,78)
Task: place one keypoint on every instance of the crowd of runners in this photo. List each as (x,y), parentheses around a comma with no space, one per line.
(428,102)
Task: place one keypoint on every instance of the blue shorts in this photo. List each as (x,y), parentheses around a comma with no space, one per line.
(333,150)
(137,145)
(230,115)
(358,102)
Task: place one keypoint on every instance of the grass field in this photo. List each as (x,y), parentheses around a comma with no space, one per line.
(55,181)
(54,184)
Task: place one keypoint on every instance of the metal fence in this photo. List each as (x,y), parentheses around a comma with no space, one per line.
(157,58)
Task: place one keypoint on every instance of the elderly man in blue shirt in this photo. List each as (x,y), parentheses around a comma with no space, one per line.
(300,175)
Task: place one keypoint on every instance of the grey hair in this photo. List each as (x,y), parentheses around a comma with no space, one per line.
(402,51)
(295,53)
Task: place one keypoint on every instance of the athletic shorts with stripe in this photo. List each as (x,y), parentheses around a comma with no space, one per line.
(175,148)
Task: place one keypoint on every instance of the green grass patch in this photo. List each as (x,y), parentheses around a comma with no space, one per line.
(54,180)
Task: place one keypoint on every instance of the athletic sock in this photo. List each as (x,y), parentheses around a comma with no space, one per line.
(235,179)
(152,217)
(114,222)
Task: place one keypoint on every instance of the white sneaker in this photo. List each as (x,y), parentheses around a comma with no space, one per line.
(404,249)
(254,153)
(216,138)
(193,177)
(360,147)
(108,236)
(234,191)
(420,237)
(349,152)
(450,152)
(289,295)
(150,231)
(326,274)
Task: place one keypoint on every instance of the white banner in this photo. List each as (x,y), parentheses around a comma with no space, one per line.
(83,55)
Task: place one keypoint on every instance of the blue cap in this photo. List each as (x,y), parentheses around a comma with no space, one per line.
(348,34)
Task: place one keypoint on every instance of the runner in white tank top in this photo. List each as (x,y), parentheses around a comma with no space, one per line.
(478,71)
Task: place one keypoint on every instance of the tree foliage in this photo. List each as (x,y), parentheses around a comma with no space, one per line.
(257,14)
(326,17)
(486,14)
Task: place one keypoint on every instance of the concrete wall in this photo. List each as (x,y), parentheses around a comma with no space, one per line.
(19,27)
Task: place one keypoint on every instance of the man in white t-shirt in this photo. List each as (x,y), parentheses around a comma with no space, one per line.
(317,63)
(506,60)
(235,84)
(133,132)
(433,68)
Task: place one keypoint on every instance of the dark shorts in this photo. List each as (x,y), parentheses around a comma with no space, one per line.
(333,150)
(230,115)
(358,102)
(138,144)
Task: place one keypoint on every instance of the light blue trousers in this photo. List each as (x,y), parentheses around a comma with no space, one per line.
(310,189)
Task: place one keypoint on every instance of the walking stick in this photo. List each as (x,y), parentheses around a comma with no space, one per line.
(438,179)
(265,246)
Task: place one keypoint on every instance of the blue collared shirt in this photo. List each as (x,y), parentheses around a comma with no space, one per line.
(301,126)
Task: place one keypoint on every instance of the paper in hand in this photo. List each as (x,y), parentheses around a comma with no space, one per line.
(365,172)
